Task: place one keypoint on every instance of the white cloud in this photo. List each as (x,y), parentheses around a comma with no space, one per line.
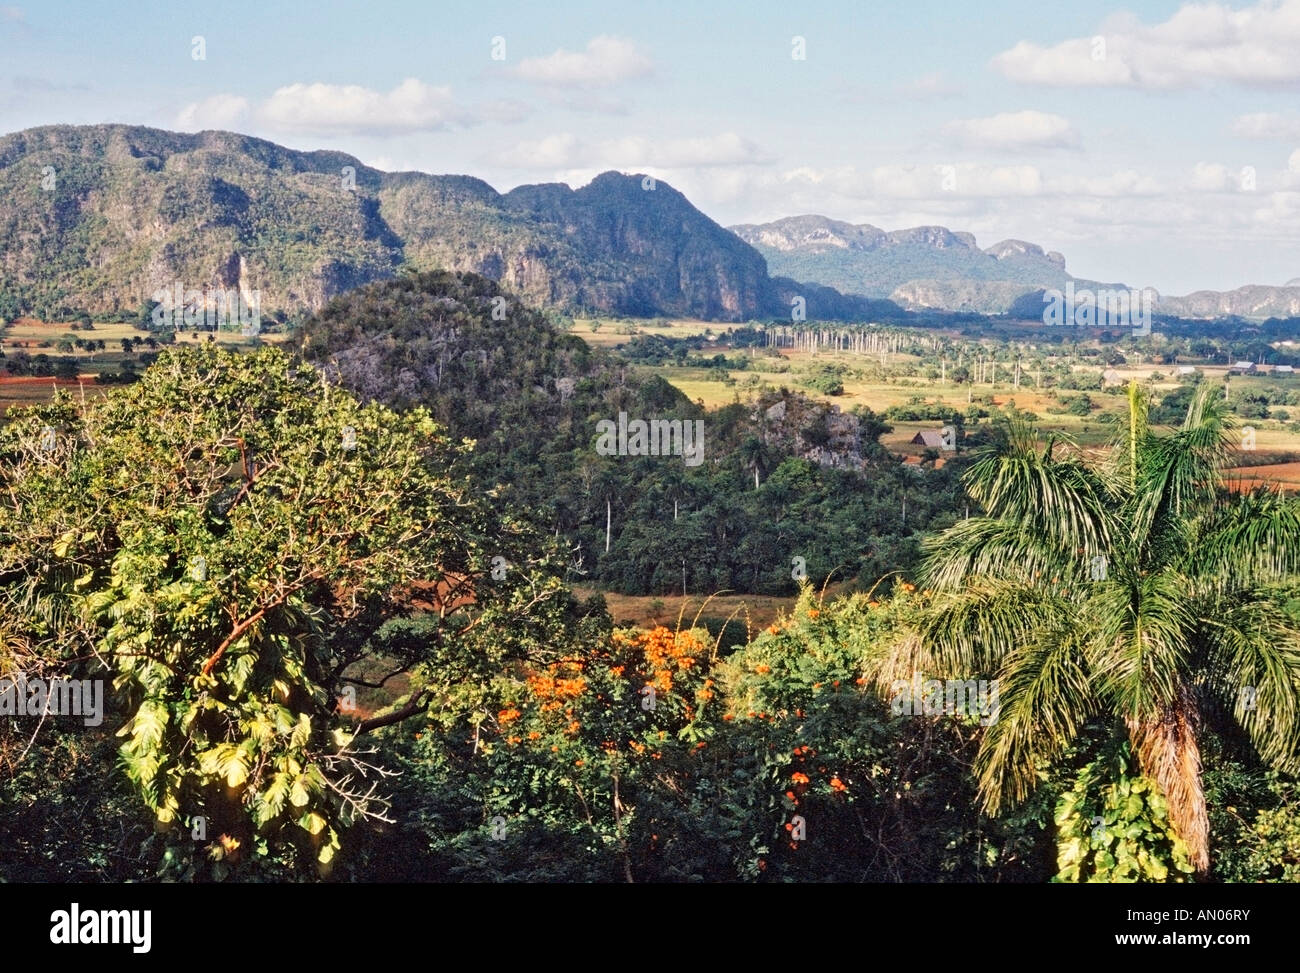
(1015,130)
(1267,125)
(921,182)
(1069,63)
(631,152)
(218,111)
(607,60)
(1208,177)
(726,148)
(13,14)
(552,152)
(1127,182)
(412,106)
(1200,42)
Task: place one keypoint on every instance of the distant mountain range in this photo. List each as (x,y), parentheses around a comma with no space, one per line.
(102,217)
(934,267)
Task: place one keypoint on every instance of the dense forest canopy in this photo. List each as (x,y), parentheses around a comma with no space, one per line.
(329,591)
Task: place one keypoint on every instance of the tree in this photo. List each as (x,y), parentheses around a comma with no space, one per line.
(755,455)
(1136,590)
(213,538)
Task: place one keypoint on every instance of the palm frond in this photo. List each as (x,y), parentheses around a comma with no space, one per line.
(1252,668)
(1045,698)
(984,546)
(1138,631)
(1255,538)
(972,631)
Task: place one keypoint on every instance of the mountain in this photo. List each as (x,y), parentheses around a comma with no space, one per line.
(925,266)
(1251,301)
(934,267)
(101,217)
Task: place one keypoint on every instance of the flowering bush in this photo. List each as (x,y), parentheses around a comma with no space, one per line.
(647,756)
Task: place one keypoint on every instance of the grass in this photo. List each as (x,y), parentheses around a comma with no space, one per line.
(869,383)
(646,611)
(616,331)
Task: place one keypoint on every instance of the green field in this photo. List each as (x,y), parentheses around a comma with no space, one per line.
(878,384)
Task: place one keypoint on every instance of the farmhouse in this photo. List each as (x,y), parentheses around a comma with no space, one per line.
(929,437)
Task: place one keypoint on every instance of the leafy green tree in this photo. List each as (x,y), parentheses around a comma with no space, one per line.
(227,537)
(1135,589)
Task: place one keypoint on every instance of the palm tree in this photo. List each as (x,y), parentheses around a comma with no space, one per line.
(755,454)
(1136,588)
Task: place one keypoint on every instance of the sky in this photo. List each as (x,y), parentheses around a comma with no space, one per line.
(1154,143)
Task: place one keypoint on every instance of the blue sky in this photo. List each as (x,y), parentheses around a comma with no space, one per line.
(1167,155)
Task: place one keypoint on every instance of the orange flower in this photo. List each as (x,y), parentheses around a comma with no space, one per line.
(508,715)
(513,740)
(578,763)
(799,778)
(533,735)
(790,794)
(762,668)
(728,717)
(813,612)
(837,784)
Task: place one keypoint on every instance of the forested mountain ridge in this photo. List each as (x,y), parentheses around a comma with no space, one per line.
(99,218)
(775,473)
